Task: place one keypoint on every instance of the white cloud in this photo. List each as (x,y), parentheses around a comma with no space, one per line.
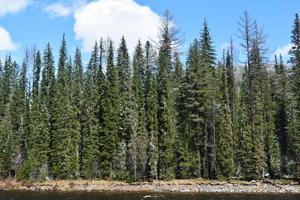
(284,51)
(59,10)
(113,19)
(6,43)
(12,6)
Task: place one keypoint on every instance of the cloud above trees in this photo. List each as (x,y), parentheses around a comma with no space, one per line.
(114,19)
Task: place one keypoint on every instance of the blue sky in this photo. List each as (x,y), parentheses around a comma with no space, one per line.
(27,23)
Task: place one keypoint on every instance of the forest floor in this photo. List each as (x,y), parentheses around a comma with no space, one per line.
(190,185)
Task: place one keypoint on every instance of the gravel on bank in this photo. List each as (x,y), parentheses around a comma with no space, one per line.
(194,185)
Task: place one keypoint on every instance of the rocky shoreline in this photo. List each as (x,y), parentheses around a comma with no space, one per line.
(156,186)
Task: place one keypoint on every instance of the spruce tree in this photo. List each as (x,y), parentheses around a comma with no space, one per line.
(65,126)
(128,115)
(7,145)
(89,131)
(150,112)
(100,83)
(8,137)
(182,152)
(258,105)
(294,108)
(46,98)
(109,135)
(207,61)
(39,136)
(279,94)
(195,108)
(224,139)
(140,144)
(165,110)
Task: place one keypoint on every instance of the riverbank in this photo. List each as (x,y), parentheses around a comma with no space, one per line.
(194,185)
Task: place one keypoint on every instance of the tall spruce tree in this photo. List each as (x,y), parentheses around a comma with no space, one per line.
(151,112)
(294,108)
(182,152)
(8,137)
(165,111)
(89,130)
(279,94)
(128,116)
(207,61)
(140,138)
(109,135)
(65,126)
(224,141)
(39,136)
(195,94)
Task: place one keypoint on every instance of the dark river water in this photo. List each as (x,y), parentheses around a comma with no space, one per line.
(13,195)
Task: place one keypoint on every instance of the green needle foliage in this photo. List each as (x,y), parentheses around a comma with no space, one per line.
(144,115)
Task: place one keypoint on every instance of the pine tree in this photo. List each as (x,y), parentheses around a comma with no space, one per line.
(109,136)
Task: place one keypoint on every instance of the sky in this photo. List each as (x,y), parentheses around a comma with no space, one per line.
(34,23)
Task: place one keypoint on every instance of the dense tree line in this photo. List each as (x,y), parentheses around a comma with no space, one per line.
(150,116)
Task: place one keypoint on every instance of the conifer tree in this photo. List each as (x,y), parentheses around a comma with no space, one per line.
(7,145)
(39,136)
(195,108)
(140,137)
(128,117)
(89,131)
(150,112)
(207,61)
(7,135)
(294,108)
(94,63)
(182,152)
(47,97)
(279,94)
(100,85)
(224,142)
(48,78)
(109,135)
(65,126)
(165,111)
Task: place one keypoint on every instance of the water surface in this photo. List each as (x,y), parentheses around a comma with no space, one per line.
(17,195)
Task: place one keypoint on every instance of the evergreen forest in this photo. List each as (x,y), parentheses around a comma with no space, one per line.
(158,114)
